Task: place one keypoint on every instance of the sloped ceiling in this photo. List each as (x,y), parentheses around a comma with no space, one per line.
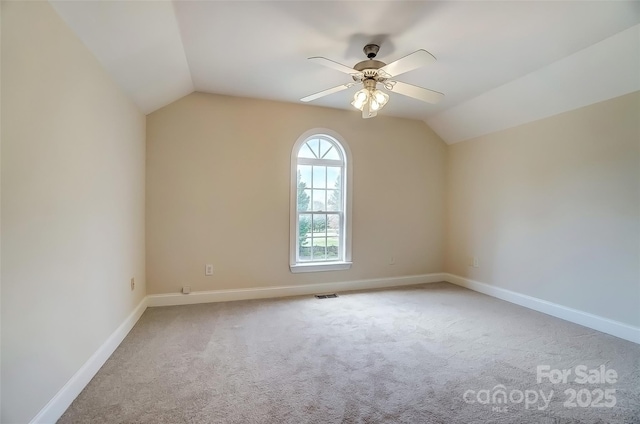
(499,64)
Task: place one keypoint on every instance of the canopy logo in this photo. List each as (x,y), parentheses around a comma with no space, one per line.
(499,397)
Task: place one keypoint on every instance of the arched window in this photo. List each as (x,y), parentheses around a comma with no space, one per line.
(320,206)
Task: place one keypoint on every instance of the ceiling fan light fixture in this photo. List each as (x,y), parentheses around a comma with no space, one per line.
(373,98)
(360,98)
(379,98)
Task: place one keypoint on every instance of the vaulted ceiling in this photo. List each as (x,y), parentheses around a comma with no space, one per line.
(499,63)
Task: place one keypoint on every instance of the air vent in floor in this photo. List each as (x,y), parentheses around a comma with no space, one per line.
(326,296)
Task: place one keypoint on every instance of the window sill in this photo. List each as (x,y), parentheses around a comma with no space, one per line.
(320,266)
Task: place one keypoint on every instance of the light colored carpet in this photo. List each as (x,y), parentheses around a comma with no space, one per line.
(405,355)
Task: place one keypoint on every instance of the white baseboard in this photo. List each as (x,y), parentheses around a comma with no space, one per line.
(65,396)
(171,299)
(609,326)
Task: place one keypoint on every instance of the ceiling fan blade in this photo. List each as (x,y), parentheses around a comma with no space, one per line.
(334,65)
(408,63)
(327,92)
(416,92)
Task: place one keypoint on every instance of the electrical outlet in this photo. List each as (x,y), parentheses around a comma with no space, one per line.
(476,262)
(208,269)
(133,284)
(392,260)
(186,289)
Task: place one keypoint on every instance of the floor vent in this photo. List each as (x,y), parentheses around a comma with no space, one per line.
(326,296)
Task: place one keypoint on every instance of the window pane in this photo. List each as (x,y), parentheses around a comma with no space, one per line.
(314,145)
(325,146)
(319,200)
(305,253)
(304,176)
(334,202)
(333,176)
(332,247)
(305,152)
(332,154)
(304,181)
(319,177)
(304,200)
(333,225)
(319,250)
(304,240)
(319,225)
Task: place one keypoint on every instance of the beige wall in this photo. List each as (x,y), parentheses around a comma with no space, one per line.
(218,171)
(72,207)
(552,209)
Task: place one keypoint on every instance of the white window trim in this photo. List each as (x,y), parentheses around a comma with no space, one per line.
(346,263)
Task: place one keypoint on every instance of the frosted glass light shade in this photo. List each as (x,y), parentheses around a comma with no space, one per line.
(374,99)
(360,98)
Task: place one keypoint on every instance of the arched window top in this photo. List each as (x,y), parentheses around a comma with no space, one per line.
(321,147)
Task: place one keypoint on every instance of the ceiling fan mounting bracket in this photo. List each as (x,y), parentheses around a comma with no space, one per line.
(371,50)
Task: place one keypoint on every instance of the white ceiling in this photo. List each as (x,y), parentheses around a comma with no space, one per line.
(159,51)
(605,70)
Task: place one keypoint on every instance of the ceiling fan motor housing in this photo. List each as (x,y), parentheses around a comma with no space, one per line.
(369,70)
(368,64)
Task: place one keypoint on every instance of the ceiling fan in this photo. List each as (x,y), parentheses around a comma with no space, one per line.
(370,72)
